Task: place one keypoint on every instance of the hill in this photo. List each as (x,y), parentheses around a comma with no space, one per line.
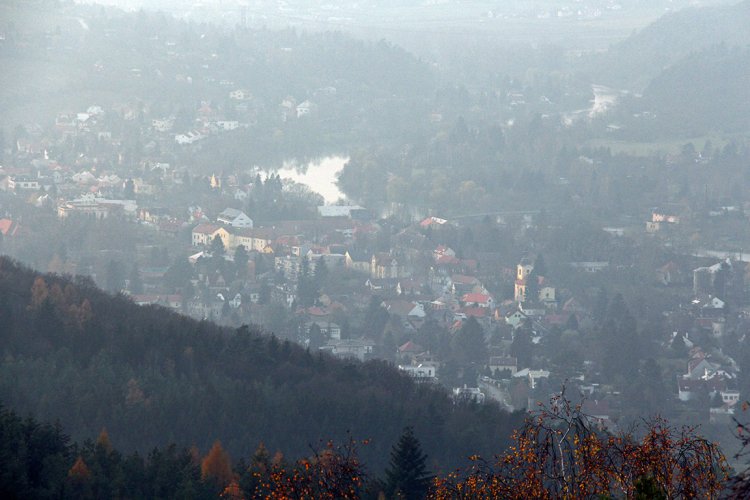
(90,360)
(633,62)
(705,92)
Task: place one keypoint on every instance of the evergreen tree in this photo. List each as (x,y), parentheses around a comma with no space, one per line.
(217,246)
(407,475)
(468,344)
(522,347)
(621,343)
(321,273)
(241,259)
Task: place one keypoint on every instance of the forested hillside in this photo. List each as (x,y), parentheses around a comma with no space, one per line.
(151,377)
(639,58)
(707,91)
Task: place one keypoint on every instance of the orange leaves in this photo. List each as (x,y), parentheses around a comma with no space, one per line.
(64,303)
(233,491)
(217,466)
(558,455)
(103,441)
(79,471)
(332,473)
(39,293)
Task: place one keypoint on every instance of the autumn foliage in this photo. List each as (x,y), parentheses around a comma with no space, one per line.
(334,472)
(217,466)
(559,454)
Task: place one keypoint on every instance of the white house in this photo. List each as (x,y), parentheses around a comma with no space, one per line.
(304,108)
(515,319)
(235,218)
(350,348)
(422,372)
(240,95)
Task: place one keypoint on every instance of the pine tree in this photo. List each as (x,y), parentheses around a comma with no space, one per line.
(407,476)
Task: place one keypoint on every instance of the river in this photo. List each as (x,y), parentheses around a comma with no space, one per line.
(321,176)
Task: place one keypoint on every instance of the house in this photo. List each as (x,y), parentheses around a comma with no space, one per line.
(597,412)
(409,349)
(329,329)
(705,278)
(340,210)
(442,251)
(532,376)
(163,124)
(202,234)
(190,137)
(258,239)
(305,108)
(500,364)
(590,267)
(227,125)
(547,295)
(9,228)
(461,284)
(468,394)
(420,372)
(99,208)
(360,349)
(478,300)
(384,265)
(665,217)
(516,319)
(235,218)
(240,95)
(669,274)
(23,183)
(432,222)
(173,302)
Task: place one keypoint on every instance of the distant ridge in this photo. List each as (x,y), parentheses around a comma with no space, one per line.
(634,61)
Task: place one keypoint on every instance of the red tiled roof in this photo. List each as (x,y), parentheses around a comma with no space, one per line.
(476,298)
(8,226)
(410,347)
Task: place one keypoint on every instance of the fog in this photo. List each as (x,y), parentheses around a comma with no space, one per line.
(406,223)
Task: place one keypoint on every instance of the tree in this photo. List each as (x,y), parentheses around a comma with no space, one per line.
(532,287)
(128,190)
(79,480)
(178,274)
(621,342)
(522,347)
(217,246)
(376,318)
(321,273)
(558,453)
(307,287)
(407,475)
(241,258)
(468,344)
(216,466)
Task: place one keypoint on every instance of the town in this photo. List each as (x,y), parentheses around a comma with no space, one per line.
(641,306)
